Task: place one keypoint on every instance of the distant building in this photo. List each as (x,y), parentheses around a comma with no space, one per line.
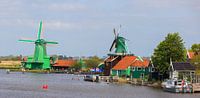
(101,67)
(63,64)
(190,55)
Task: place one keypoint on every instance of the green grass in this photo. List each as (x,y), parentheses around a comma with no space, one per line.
(31,71)
(9,66)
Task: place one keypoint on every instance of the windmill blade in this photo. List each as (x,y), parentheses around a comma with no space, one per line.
(119,28)
(115,33)
(31,41)
(49,42)
(125,39)
(40,30)
(124,45)
(113,45)
(51,45)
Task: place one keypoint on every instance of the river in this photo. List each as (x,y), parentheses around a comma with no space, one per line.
(29,85)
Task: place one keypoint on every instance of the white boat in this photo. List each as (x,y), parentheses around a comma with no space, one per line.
(92,78)
(177,86)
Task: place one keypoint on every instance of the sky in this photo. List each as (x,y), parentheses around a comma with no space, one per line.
(85,27)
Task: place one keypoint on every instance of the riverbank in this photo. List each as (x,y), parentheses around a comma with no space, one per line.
(116,79)
(10,64)
(154,84)
(30,71)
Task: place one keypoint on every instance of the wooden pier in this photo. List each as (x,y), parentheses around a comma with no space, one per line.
(109,78)
(196,84)
(196,87)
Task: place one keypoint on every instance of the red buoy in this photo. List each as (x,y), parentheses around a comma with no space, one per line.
(45,87)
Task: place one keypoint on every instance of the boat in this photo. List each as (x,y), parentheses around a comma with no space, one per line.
(177,86)
(92,78)
(164,83)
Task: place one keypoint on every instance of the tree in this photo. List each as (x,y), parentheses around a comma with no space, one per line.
(93,62)
(196,61)
(196,49)
(77,66)
(171,48)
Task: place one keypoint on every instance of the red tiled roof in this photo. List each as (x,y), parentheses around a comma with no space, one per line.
(138,63)
(64,63)
(130,61)
(190,54)
(124,63)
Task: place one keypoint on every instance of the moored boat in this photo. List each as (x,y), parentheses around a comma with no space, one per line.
(177,86)
(92,78)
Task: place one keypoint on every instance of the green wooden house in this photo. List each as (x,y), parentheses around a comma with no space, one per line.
(123,67)
(132,67)
(140,72)
(122,72)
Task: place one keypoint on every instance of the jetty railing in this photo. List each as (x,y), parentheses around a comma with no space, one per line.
(196,83)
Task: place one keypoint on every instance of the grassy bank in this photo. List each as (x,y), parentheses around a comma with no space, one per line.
(31,71)
(10,64)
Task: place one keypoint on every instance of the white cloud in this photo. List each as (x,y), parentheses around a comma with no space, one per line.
(55,6)
(56,24)
(11,8)
(66,7)
(17,22)
(166,3)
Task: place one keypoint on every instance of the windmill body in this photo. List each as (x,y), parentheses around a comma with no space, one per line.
(40,59)
(119,44)
(121,47)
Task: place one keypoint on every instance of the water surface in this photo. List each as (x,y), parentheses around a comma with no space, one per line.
(29,85)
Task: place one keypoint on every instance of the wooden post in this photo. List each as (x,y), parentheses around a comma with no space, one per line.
(131,73)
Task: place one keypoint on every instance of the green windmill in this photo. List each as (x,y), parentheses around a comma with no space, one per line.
(119,44)
(40,59)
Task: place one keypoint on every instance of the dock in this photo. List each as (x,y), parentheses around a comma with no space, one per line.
(196,83)
(109,78)
(102,78)
(196,87)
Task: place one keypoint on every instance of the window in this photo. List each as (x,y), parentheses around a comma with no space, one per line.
(152,69)
(142,75)
(139,69)
(133,68)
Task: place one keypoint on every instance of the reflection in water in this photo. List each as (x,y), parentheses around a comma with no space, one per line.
(29,85)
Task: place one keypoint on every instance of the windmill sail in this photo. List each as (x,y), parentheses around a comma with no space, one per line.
(113,45)
(48,42)
(40,30)
(21,40)
(114,42)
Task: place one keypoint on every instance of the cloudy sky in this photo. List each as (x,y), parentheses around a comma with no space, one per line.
(85,27)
